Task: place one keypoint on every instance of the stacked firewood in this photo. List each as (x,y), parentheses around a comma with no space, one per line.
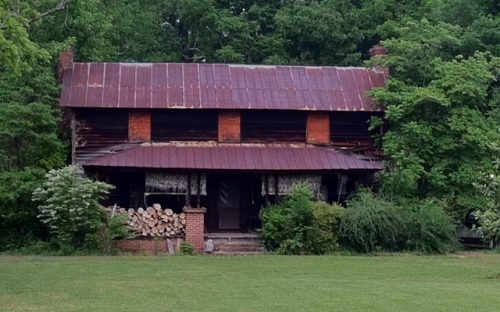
(153,221)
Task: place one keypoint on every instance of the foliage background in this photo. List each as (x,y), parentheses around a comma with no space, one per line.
(442,100)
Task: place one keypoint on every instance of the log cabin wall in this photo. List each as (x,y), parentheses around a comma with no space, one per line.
(184,125)
(98,129)
(351,128)
(273,126)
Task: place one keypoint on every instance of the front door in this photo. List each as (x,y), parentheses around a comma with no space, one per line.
(228,204)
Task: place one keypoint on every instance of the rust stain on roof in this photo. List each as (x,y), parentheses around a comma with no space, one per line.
(216,156)
(222,86)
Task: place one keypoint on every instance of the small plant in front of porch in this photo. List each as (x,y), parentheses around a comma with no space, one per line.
(69,206)
(298,225)
(187,249)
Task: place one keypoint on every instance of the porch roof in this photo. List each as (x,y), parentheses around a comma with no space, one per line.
(216,156)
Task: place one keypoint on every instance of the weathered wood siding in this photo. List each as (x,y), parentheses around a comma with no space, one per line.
(351,128)
(96,130)
(273,126)
(184,125)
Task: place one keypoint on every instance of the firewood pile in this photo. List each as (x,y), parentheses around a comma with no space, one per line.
(153,221)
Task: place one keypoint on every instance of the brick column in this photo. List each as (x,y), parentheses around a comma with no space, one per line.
(139,125)
(318,128)
(195,226)
(230,126)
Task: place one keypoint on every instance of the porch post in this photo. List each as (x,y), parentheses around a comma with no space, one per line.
(195,226)
(198,191)
(188,191)
(266,186)
(276,191)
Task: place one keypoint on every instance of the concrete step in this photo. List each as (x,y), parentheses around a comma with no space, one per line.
(236,253)
(239,247)
(239,238)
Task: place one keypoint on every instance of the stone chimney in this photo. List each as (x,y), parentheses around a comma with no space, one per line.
(65,62)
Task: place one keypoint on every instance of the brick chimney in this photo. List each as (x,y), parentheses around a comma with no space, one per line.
(65,62)
(377,51)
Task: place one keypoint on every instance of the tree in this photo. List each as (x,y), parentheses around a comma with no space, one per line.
(489,215)
(441,109)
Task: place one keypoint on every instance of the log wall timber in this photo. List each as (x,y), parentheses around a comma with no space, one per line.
(318,128)
(273,126)
(230,126)
(351,127)
(96,130)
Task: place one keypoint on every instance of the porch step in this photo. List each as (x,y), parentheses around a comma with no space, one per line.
(237,253)
(235,243)
(232,247)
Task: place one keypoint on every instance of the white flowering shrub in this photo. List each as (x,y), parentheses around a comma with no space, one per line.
(68,204)
(489,218)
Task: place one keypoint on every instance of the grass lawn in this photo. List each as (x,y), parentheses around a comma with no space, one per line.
(465,282)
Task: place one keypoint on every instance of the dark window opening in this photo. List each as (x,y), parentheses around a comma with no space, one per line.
(101,127)
(184,125)
(273,126)
(350,126)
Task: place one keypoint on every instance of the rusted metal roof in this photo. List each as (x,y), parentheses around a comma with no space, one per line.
(219,86)
(282,157)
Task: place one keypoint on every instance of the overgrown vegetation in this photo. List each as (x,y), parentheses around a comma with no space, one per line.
(442,101)
(68,204)
(372,223)
(298,225)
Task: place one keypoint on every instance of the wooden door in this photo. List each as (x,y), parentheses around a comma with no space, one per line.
(228,204)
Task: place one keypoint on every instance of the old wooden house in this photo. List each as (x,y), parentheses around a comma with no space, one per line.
(220,141)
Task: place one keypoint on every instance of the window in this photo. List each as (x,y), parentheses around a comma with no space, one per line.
(273,126)
(101,127)
(184,125)
(350,126)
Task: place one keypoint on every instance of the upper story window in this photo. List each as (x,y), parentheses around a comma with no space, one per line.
(183,125)
(101,127)
(350,126)
(273,126)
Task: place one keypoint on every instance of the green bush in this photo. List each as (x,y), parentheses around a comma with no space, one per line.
(298,225)
(69,206)
(327,219)
(373,223)
(428,228)
(187,249)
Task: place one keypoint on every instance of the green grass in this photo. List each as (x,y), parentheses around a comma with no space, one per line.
(466,282)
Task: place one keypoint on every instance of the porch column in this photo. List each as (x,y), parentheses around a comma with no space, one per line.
(195,226)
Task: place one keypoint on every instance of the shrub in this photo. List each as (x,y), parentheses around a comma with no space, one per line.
(69,206)
(373,223)
(187,249)
(427,228)
(114,228)
(327,219)
(298,225)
